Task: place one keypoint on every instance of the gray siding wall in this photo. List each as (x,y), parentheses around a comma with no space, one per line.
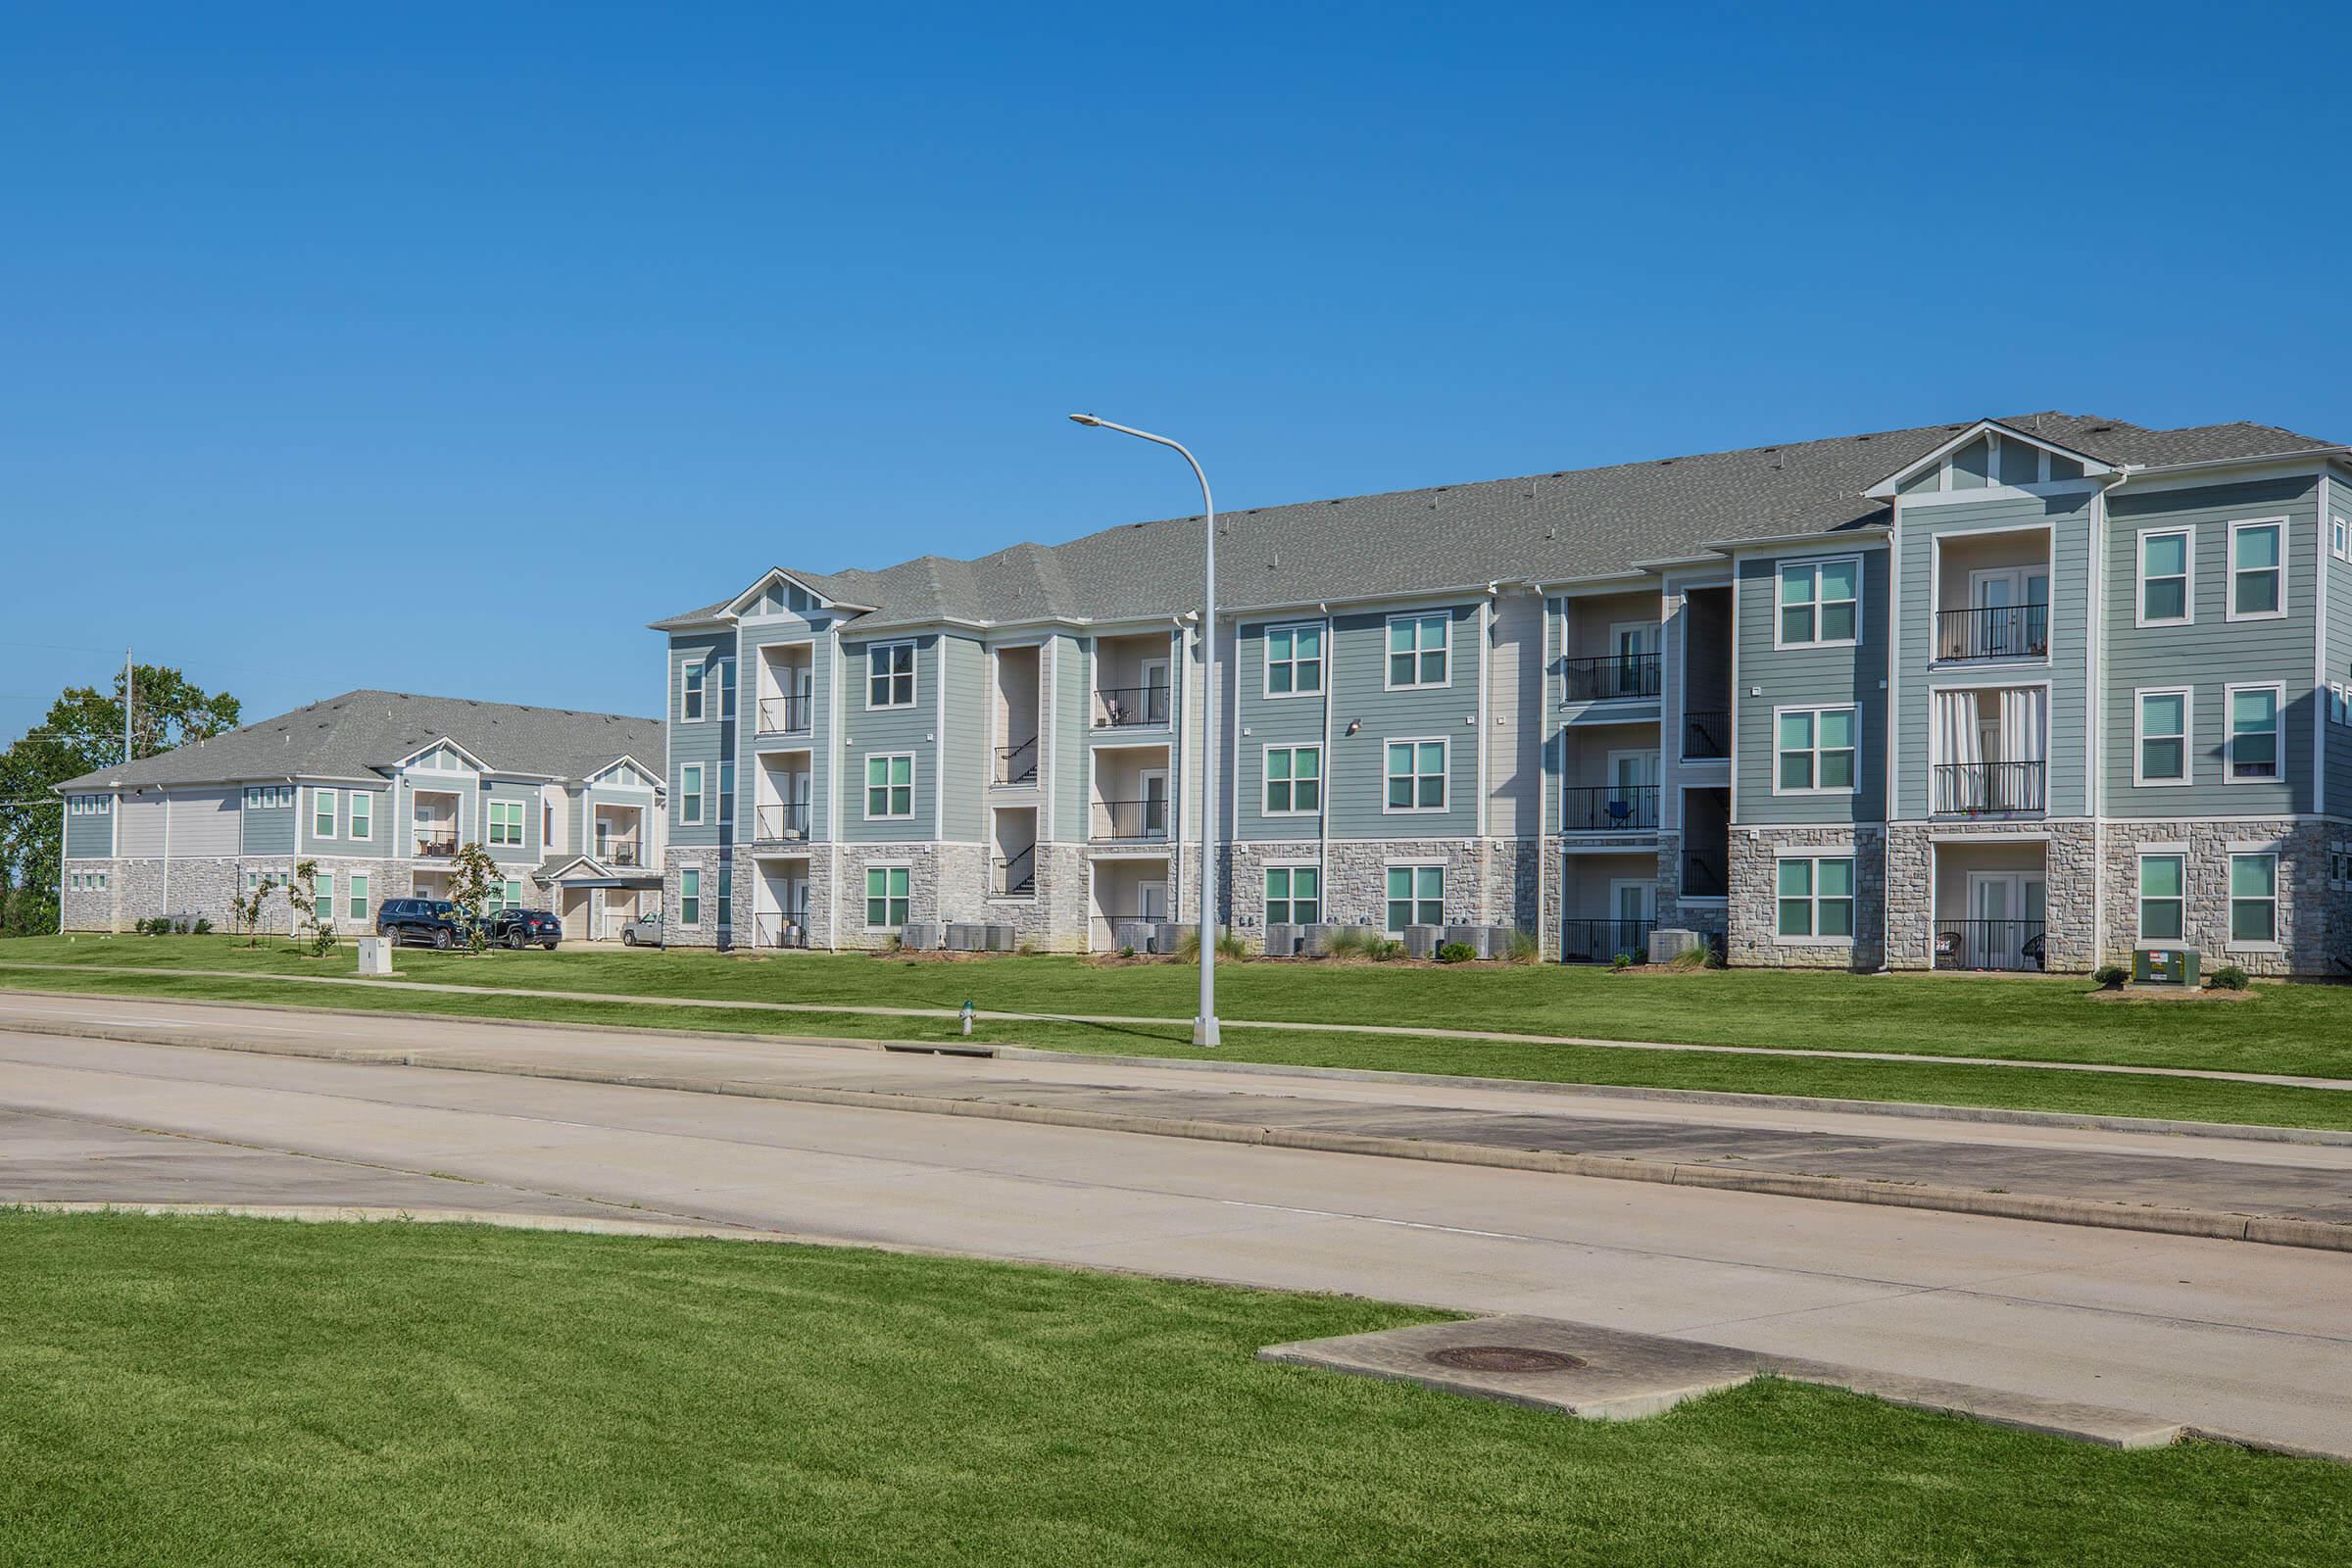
(963,756)
(382,830)
(1258,721)
(704,741)
(1803,677)
(1066,758)
(269,829)
(1356,770)
(2068,518)
(1514,728)
(89,837)
(204,822)
(531,851)
(2337,656)
(865,731)
(2214,652)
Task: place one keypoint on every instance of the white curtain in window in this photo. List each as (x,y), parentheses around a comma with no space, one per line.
(2025,713)
(1956,741)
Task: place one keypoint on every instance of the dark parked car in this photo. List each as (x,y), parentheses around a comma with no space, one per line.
(430,920)
(522,928)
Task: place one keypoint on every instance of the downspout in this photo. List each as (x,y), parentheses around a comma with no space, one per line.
(1331,649)
(2095,704)
(1486,625)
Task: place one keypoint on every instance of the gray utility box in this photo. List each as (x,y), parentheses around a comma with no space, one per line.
(1421,941)
(1282,941)
(1671,944)
(921,935)
(1131,936)
(375,955)
(1000,938)
(2167,966)
(964,937)
(1316,940)
(1166,936)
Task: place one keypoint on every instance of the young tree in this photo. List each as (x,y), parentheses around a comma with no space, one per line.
(81,734)
(472,876)
(302,896)
(245,909)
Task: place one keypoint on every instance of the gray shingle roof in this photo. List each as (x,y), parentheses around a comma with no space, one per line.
(1550,527)
(364,731)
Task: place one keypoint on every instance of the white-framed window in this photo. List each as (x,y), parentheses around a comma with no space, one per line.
(726,690)
(93,805)
(889,785)
(325,807)
(690,692)
(690,895)
(2168,577)
(886,890)
(1416,775)
(1819,603)
(1416,895)
(2258,568)
(323,899)
(2163,897)
(726,790)
(1294,895)
(363,815)
(1816,898)
(890,675)
(1295,660)
(2254,733)
(689,795)
(2254,898)
(2339,540)
(2161,720)
(1419,651)
(269,797)
(1294,780)
(356,900)
(1819,750)
(506,824)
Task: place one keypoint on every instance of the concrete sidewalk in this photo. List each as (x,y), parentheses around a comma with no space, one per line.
(2039,1168)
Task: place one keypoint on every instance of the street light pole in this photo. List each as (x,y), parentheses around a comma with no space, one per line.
(1204,1025)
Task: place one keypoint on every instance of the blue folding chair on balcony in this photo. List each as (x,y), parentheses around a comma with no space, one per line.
(1621,811)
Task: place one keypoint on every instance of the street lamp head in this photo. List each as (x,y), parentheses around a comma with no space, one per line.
(1085,419)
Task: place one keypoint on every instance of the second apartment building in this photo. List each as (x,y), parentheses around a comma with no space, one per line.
(2002,693)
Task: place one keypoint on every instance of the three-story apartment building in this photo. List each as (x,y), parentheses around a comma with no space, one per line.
(379,789)
(2006,694)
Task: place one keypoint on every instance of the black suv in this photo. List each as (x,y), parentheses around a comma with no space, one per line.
(433,921)
(521,928)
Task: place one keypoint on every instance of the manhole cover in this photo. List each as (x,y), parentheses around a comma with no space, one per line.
(1503,1359)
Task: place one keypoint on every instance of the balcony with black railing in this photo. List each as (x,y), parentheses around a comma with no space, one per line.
(1989,789)
(2002,946)
(1131,707)
(780,822)
(1995,631)
(436,844)
(619,851)
(1017,764)
(1611,678)
(1606,941)
(1706,734)
(1609,809)
(785,716)
(1130,821)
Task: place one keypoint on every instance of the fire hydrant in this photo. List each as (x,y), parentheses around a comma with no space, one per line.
(966,1015)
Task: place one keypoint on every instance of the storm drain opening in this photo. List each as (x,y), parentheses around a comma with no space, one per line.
(1503,1359)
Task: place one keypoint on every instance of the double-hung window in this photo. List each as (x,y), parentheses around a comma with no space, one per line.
(689,795)
(1820,602)
(2165,567)
(2163,754)
(726,790)
(1418,650)
(2254,898)
(358,906)
(1416,896)
(886,896)
(363,815)
(1294,661)
(890,785)
(690,694)
(324,806)
(690,896)
(2257,569)
(2339,540)
(890,675)
(2254,733)
(1294,780)
(506,824)
(1819,750)
(1294,895)
(323,900)
(1416,775)
(2163,898)
(1816,897)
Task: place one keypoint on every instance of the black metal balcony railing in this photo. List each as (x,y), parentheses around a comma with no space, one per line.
(2001,631)
(1979,789)
(436,846)
(1014,876)
(1602,941)
(1123,706)
(1595,810)
(789,929)
(1702,876)
(784,716)
(2006,944)
(1017,764)
(789,820)
(617,852)
(1131,820)
(1600,680)
(1706,734)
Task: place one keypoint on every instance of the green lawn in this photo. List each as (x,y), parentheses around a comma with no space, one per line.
(1931,1083)
(207,1390)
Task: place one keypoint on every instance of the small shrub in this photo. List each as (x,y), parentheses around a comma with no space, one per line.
(2229,977)
(1352,942)
(1622,963)
(893,943)
(1456,953)
(1701,957)
(2111,977)
(1524,948)
(202,926)
(1127,952)
(1383,949)
(1188,946)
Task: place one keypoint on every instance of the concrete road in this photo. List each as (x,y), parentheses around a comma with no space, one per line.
(2253,1339)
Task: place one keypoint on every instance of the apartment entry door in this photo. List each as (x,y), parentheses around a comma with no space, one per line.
(2005,911)
(2022,591)
(1152,901)
(1154,782)
(1156,691)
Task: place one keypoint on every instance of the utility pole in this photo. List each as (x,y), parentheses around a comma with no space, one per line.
(130,675)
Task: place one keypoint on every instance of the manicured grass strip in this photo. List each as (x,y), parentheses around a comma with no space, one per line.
(2004,1087)
(221,1392)
(2300,1029)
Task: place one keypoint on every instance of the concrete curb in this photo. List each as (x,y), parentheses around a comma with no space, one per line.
(2204,1223)
(1923,1110)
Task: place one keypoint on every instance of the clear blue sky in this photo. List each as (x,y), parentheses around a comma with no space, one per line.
(441,348)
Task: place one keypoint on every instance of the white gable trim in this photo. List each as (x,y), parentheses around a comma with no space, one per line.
(1884,489)
(734,605)
(651,775)
(409,760)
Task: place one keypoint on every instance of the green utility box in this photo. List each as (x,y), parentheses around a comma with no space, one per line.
(2165,966)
